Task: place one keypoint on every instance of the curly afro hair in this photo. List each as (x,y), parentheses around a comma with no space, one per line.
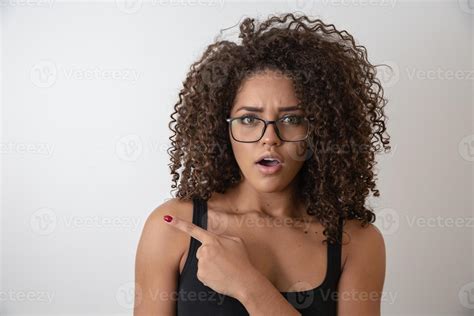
(335,83)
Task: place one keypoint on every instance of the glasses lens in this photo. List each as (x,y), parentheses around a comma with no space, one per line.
(293,127)
(247,129)
(250,129)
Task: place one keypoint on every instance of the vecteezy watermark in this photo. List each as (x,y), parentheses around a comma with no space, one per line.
(303,298)
(360,3)
(219,223)
(45,73)
(96,73)
(466,147)
(440,221)
(466,6)
(388,73)
(354,295)
(274,222)
(299,298)
(133,6)
(300,5)
(440,74)
(203,296)
(466,295)
(44,149)
(131,293)
(27,3)
(45,221)
(13,295)
(129,147)
(388,221)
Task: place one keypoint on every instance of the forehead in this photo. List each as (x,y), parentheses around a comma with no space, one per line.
(268,91)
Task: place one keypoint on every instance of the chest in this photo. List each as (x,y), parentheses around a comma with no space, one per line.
(289,254)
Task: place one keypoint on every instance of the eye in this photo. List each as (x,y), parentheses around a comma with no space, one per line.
(292,119)
(248,119)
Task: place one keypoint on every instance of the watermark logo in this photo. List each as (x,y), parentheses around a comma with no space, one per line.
(218,224)
(129,148)
(44,74)
(466,148)
(43,221)
(301,5)
(466,295)
(388,73)
(388,221)
(298,298)
(129,6)
(128,294)
(216,74)
(466,6)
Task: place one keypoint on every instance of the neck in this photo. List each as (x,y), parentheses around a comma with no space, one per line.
(243,198)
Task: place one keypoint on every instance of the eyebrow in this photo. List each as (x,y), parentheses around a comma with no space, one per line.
(282,109)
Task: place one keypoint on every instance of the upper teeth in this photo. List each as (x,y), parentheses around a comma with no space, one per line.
(269,159)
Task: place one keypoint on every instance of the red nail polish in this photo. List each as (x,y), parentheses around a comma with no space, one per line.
(168,218)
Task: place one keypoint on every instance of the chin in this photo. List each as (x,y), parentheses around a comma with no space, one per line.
(269,184)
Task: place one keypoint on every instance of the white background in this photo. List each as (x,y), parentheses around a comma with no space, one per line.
(87,90)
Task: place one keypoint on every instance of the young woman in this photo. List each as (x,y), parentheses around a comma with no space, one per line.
(273,146)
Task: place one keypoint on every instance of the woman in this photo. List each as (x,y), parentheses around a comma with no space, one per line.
(276,139)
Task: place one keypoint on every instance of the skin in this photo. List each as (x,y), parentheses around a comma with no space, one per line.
(272,195)
(240,256)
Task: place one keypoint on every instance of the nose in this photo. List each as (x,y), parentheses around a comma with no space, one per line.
(270,136)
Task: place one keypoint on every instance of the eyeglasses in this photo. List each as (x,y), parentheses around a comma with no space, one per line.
(250,129)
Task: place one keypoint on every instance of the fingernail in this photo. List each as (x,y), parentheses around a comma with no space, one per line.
(168,218)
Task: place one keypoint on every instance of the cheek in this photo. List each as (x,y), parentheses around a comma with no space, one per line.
(296,153)
(242,153)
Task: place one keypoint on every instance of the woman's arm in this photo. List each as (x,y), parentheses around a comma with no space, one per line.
(362,279)
(260,297)
(225,267)
(157,263)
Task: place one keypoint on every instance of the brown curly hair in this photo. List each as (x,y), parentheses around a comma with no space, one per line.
(335,83)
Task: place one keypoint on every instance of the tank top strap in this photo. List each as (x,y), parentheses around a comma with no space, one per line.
(334,252)
(200,212)
(199,219)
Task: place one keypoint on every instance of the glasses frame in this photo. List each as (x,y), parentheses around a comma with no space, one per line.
(268,122)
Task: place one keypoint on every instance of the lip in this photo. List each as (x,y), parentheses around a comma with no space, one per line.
(270,155)
(269,169)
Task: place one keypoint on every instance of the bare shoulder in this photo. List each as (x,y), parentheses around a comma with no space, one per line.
(157,234)
(353,229)
(363,271)
(159,251)
(367,240)
(174,207)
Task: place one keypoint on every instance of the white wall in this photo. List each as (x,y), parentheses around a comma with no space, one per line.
(96,145)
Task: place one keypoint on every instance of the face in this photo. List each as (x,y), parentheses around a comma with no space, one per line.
(264,95)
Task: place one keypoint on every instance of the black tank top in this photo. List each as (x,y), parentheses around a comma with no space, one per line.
(196,299)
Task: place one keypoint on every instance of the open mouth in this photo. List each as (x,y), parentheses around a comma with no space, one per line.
(268,162)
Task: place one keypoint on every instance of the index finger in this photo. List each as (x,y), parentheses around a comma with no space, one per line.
(194,231)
